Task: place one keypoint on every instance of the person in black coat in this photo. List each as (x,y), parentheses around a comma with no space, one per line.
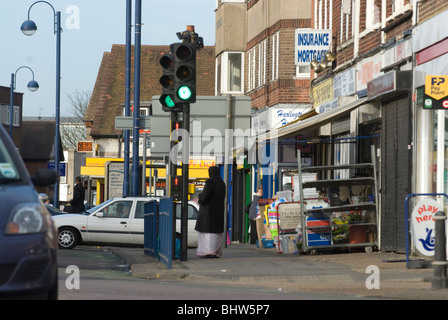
(210,222)
(77,203)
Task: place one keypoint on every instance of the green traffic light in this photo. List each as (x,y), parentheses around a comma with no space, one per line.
(169,102)
(184,93)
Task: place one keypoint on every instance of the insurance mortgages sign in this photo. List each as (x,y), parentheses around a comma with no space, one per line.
(311,44)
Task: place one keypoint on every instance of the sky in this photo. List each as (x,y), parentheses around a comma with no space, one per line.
(90,28)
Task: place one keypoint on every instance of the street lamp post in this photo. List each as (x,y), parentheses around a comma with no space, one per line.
(136,115)
(29,28)
(32,86)
(127,98)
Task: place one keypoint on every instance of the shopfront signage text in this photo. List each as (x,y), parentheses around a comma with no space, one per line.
(422,226)
(436,92)
(311,45)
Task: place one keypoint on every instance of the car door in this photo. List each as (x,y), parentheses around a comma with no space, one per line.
(137,223)
(110,224)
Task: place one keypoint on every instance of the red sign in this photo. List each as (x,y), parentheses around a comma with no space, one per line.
(85,146)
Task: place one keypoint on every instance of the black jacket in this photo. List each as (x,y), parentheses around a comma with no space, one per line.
(253,208)
(211,204)
(77,203)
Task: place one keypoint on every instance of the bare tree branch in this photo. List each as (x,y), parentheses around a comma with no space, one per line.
(73,128)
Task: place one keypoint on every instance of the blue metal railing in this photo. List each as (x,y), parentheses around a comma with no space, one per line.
(166,219)
(150,229)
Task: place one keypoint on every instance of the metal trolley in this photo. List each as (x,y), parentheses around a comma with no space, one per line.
(350,224)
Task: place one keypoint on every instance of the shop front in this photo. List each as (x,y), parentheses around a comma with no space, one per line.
(430,49)
(341,138)
(329,138)
(430,45)
(107,172)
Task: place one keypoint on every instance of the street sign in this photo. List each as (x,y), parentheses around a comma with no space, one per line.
(127,123)
(62,167)
(436,92)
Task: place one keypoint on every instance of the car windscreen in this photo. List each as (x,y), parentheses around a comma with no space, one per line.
(8,170)
(98,207)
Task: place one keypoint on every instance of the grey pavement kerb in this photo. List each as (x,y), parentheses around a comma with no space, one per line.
(247,265)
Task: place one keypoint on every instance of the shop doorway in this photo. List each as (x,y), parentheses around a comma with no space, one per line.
(396,171)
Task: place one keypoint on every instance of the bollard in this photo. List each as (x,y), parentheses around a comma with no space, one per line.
(440,279)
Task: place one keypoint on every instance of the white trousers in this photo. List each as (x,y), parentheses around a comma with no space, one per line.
(209,244)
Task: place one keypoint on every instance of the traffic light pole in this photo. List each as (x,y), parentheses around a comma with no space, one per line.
(178,83)
(185,177)
(173,171)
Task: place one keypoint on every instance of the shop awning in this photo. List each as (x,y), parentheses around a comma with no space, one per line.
(299,126)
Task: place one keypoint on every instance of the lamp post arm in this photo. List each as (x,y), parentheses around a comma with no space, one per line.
(54,14)
(13,82)
(11,98)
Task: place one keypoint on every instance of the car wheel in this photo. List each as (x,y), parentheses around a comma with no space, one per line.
(68,238)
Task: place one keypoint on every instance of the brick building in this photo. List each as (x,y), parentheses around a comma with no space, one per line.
(5,93)
(255,52)
(368,91)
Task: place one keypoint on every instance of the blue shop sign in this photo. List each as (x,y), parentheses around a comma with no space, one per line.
(62,168)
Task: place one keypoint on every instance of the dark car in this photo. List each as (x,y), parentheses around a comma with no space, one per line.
(28,238)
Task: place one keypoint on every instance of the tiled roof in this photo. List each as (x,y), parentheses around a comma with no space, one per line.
(37,140)
(109,92)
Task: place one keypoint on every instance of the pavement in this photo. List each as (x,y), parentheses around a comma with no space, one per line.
(381,275)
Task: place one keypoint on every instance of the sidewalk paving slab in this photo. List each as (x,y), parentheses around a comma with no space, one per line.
(332,273)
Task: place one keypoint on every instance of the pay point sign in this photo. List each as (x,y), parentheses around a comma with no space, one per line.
(436,92)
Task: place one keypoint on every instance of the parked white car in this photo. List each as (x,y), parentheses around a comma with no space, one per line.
(116,221)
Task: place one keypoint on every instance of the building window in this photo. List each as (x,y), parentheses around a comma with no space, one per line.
(16,116)
(257,65)
(303,71)
(234,72)
(323,14)
(346,23)
(275,55)
(231,73)
(262,63)
(372,15)
(397,5)
(251,68)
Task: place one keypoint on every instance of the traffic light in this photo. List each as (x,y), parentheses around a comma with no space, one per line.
(184,72)
(175,125)
(167,82)
(176,185)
